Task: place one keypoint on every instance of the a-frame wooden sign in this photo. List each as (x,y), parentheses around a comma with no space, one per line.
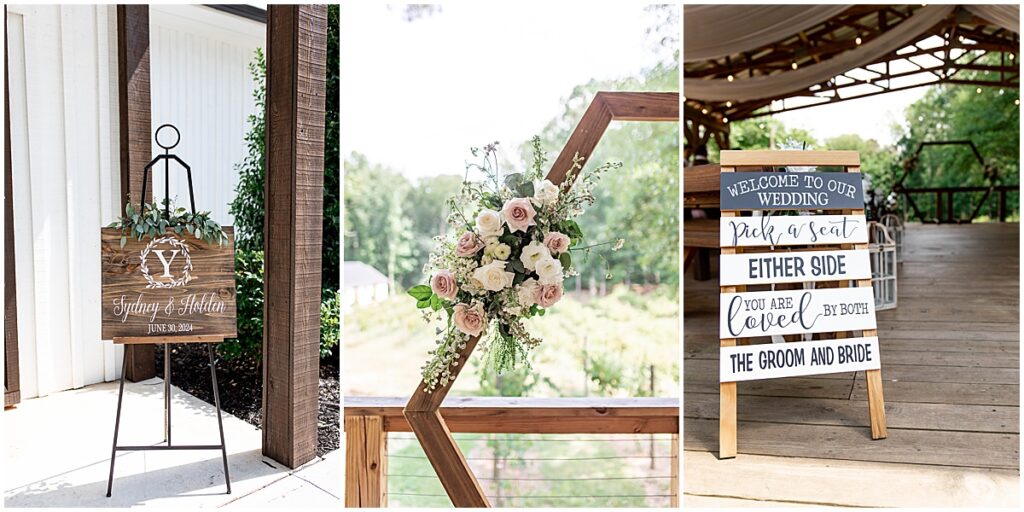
(820,306)
(422,410)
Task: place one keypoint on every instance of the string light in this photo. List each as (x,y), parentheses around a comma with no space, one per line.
(858,40)
(725,120)
(1016,101)
(978,90)
(704,111)
(730,78)
(728,104)
(794,65)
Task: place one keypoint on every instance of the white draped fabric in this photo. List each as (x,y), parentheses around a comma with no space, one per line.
(713,31)
(744,89)
(1003,16)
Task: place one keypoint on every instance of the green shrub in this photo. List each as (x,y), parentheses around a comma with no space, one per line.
(249,285)
(330,321)
(249,305)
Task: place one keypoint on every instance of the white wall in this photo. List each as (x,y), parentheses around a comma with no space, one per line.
(65,155)
(64,150)
(200,80)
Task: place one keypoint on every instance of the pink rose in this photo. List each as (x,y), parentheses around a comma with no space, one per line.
(443,284)
(556,242)
(519,214)
(470,319)
(469,244)
(546,295)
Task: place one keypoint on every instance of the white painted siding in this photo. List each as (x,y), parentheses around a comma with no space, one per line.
(64,135)
(201,84)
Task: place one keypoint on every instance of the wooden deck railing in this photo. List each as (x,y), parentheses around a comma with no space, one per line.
(369,420)
(945,206)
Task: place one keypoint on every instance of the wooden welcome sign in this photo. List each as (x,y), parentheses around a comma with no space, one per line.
(828,251)
(423,409)
(168,286)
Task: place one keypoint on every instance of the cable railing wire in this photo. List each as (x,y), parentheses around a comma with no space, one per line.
(617,457)
(617,439)
(555,479)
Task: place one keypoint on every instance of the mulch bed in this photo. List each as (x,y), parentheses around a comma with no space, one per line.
(241,388)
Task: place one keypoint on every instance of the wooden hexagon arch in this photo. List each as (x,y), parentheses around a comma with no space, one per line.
(422,410)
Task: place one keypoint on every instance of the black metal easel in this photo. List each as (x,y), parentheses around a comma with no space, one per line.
(166,158)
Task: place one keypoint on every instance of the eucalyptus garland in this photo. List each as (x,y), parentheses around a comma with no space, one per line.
(151,223)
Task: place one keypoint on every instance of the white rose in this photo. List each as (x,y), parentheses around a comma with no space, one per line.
(549,270)
(527,292)
(493,276)
(502,251)
(490,242)
(489,223)
(545,192)
(533,253)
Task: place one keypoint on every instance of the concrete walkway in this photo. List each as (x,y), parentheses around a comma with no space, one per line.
(57,454)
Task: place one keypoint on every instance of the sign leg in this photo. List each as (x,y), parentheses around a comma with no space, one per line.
(117,423)
(167,393)
(727,420)
(220,421)
(876,404)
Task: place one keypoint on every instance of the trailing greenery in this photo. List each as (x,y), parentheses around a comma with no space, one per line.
(151,222)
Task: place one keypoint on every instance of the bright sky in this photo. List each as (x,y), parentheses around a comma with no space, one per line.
(871,118)
(416,95)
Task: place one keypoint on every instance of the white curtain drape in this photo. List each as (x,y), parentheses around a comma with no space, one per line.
(744,89)
(713,31)
(1004,16)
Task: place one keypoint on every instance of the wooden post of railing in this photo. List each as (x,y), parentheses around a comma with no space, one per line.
(938,206)
(673,483)
(950,212)
(366,457)
(1002,205)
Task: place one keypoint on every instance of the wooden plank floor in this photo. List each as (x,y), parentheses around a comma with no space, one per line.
(950,364)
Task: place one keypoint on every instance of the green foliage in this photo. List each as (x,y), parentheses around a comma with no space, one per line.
(377,224)
(990,119)
(247,207)
(249,306)
(330,321)
(151,223)
(764,133)
(331,249)
(639,203)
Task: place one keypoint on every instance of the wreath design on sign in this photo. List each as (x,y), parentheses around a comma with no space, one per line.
(186,273)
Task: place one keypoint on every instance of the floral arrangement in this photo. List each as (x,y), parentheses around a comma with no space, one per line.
(504,260)
(151,223)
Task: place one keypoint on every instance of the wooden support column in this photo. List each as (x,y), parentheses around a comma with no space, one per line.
(12,382)
(366,457)
(296,94)
(136,129)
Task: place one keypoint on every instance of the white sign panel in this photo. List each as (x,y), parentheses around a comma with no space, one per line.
(749,314)
(775,360)
(768,230)
(794,267)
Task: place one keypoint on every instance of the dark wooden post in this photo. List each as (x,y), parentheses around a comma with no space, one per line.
(296,95)
(12,383)
(135,128)
(1002,205)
